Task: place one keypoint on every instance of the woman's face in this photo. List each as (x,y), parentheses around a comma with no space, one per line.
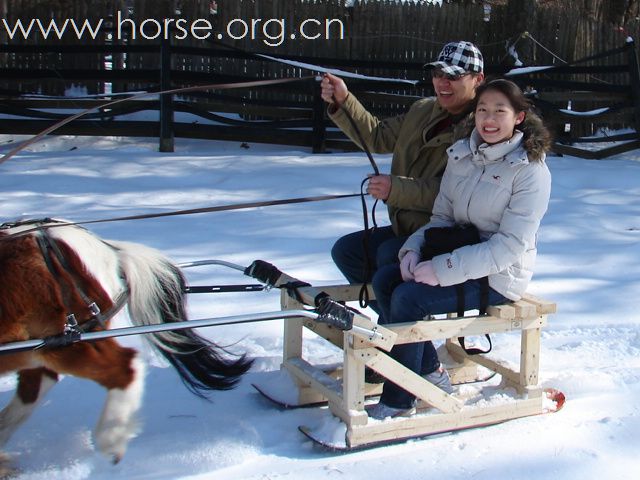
(495,117)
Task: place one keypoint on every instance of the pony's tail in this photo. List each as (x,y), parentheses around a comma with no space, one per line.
(157,296)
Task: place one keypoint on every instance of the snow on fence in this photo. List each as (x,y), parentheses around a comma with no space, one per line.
(384,39)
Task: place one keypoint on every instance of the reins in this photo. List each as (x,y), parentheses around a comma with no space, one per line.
(328,310)
(192,211)
(221,86)
(363,295)
(216,86)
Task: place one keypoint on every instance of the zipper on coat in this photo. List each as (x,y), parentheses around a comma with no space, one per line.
(474,189)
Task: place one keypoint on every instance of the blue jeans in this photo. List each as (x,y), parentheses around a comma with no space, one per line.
(382,249)
(401,301)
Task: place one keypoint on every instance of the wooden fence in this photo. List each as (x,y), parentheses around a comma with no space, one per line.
(385,39)
(572,103)
(386,33)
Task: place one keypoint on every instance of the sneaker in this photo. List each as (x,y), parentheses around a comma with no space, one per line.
(440,378)
(380,411)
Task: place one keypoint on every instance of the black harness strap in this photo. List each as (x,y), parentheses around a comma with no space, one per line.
(264,272)
(329,311)
(292,288)
(440,240)
(102,318)
(333,313)
(363,296)
(72,331)
(374,165)
(270,274)
(30,221)
(254,287)
(484,305)
(367,269)
(48,246)
(474,350)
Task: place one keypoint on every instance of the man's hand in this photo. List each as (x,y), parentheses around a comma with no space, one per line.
(333,89)
(379,186)
(407,265)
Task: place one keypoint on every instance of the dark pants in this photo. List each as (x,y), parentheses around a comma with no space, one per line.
(382,249)
(401,301)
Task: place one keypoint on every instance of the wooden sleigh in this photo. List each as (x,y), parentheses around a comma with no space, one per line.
(344,391)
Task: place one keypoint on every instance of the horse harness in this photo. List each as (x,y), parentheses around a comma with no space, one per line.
(72,329)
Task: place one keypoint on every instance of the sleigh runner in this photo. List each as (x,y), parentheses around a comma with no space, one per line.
(344,391)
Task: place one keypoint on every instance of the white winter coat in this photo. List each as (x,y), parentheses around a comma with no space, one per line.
(504,194)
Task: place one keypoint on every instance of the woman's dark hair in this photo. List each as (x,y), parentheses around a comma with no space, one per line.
(516,98)
(537,138)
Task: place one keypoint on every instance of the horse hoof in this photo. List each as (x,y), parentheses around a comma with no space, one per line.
(112,439)
(112,452)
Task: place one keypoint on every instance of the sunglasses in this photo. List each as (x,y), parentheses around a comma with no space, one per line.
(438,73)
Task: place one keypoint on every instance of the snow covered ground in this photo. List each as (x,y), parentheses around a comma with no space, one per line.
(589,246)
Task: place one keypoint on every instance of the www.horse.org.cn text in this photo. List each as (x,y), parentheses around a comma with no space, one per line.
(273,32)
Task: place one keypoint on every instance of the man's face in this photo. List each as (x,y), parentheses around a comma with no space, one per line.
(455,95)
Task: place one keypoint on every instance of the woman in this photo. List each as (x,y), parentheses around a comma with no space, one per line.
(496,180)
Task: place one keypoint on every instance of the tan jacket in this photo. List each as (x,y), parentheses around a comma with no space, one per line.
(417,165)
(504,191)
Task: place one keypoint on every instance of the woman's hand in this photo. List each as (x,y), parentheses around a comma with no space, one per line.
(424,273)
(407,264)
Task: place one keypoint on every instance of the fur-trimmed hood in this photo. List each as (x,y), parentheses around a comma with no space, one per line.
(536,140)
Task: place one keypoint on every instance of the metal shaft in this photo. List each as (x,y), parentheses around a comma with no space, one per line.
(199,263)
(203,322)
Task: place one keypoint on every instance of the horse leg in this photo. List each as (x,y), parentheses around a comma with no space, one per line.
(33,384)
(121,372)
(117,424)
(6,469)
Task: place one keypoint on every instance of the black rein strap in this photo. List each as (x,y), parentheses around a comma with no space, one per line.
(484,305)
(363,296)
(217,208)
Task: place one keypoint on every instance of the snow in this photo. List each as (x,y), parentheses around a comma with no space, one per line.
(335,71)
(76,91)
(588,113)
(589,244)
(526,70)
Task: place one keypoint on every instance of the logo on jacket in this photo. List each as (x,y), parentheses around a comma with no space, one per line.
(496,177)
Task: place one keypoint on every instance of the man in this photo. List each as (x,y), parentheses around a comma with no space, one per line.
(418,140)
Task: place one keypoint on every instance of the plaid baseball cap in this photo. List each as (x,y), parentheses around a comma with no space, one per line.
(458,58)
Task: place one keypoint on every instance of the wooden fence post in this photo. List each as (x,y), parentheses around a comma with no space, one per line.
(319,132)
(166,100)
(634,74)
(523,15)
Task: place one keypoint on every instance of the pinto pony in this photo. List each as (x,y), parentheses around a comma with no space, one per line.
(51,274)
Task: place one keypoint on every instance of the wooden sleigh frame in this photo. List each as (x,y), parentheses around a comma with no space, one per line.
(345,390)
